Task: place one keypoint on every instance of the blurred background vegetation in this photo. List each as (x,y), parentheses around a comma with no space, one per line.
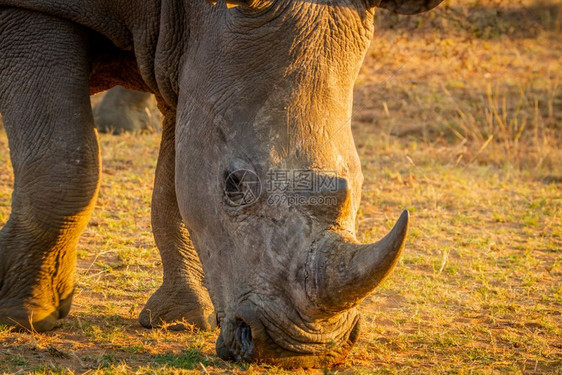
(484,75)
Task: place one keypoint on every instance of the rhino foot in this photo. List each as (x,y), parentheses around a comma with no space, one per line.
(178,309)
(24,316)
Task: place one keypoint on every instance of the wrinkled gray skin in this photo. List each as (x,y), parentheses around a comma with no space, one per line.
(265,85)
(123,110)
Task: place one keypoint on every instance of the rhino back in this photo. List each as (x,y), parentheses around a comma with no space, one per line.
(131,27)
(103,16)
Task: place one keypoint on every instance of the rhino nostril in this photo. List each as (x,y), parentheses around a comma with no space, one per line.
(243,335)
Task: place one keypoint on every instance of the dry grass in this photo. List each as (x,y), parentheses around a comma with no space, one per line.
(458,118)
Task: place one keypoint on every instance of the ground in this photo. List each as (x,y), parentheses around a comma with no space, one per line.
(458,118)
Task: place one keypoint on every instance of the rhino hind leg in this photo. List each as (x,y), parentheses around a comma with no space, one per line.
(182,298)
(122,110)
(44,99)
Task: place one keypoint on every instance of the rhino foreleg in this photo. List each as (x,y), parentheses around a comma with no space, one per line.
(44,99)
(182,296)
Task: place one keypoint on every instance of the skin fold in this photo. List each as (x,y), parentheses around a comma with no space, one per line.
(254,86)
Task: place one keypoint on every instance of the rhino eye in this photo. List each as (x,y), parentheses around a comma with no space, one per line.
(241,187)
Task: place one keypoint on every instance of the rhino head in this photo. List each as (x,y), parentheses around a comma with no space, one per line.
(265,95)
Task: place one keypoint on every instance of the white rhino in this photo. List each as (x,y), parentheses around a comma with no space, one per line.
(249,89)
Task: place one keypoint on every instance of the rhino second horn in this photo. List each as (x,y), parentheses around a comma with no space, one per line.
(345,272)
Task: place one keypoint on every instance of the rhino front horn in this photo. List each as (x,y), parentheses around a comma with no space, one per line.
(345,272)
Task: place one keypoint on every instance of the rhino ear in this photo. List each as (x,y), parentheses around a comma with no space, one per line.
(407,6)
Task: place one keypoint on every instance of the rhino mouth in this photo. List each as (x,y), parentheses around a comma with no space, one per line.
(241,344)
(244,343)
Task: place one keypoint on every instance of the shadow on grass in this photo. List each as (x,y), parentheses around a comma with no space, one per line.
(189,359)
(110,342)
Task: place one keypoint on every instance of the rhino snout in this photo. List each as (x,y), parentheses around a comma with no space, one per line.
(249,336)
